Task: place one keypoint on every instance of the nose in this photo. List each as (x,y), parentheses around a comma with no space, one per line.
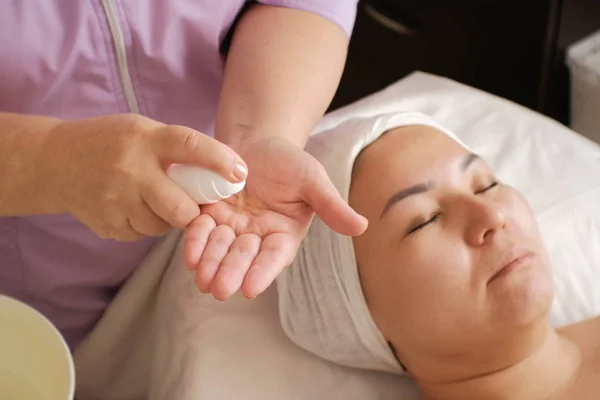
(484,218)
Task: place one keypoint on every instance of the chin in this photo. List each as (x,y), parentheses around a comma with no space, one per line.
(524,296)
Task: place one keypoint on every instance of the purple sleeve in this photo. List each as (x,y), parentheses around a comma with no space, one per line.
(342,12)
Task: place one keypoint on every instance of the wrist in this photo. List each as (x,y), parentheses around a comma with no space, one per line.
(22,143)
(241,138)
(48,167)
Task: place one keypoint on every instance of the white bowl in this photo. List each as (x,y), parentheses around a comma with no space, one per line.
(35,361)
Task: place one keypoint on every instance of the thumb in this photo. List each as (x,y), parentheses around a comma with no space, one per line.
(323,197)
(176,144)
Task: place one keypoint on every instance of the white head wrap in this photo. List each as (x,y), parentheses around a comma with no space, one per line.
(321,303)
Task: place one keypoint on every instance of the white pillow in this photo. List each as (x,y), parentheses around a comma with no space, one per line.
(237,350)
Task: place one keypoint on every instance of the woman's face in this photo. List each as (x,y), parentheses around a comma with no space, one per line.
(452,265)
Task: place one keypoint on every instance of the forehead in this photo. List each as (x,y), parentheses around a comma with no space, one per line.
(403,157)
(409,152)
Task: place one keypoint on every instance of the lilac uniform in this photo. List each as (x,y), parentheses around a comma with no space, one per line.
(79,59)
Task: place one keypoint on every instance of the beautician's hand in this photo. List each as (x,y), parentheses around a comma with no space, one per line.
(232,247)
(109,172)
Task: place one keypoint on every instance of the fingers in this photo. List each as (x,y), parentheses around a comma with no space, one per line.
(182,145)
(235,265)
(196,239)
(112,225)
(216,249)
(227,264)
(323,197)
(276,252)
(145,222)
(168,200)
(123,233)
(128,233)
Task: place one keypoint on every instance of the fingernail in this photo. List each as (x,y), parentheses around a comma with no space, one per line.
(240,171)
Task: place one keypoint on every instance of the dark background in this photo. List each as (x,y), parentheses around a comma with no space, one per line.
(514,49)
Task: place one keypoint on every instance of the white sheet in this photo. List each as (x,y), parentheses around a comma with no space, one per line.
(191,347)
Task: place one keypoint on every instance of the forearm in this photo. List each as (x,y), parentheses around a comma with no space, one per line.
(281,73)
(21,143)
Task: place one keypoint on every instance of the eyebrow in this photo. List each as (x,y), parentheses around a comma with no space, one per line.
(468,160)
(424,187)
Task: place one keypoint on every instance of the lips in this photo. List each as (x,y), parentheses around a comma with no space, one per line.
(512,260)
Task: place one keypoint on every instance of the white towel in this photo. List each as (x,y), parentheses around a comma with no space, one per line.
(321,303)
(115,361)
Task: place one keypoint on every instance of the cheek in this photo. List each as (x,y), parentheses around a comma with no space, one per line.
(435,270)
(426,285)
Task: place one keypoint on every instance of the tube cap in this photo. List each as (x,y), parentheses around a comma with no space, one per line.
(203,185)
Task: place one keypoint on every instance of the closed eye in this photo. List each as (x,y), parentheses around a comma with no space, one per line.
(434,218)
(485,189)
(438,214)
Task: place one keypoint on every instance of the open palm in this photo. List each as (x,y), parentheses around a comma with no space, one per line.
(246,242)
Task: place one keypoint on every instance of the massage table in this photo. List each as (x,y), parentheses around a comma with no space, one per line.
(161,339)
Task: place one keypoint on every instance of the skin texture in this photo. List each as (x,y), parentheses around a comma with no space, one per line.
(427,269)
(282,71)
